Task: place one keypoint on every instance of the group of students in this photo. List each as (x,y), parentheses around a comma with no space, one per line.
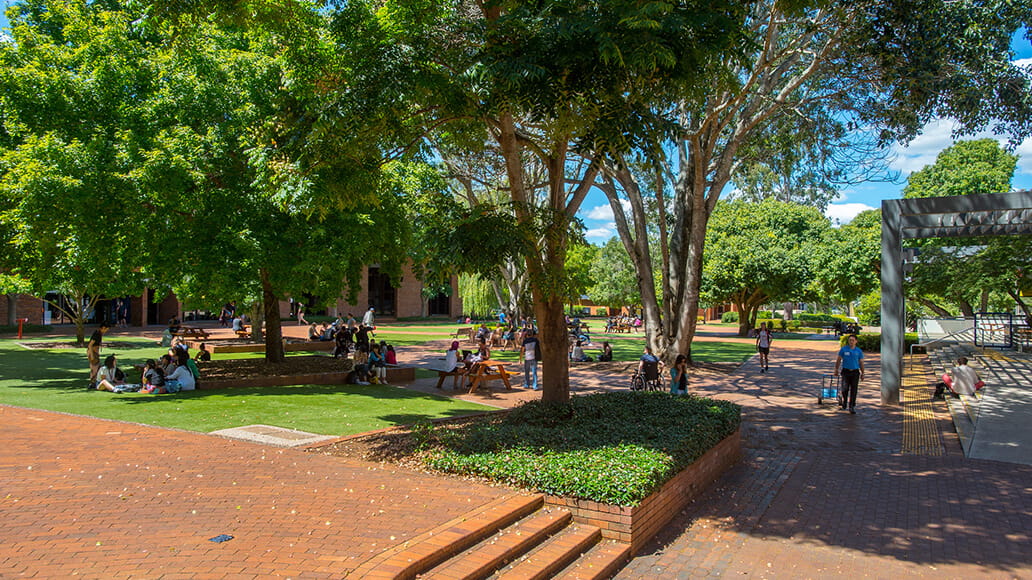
(173,372)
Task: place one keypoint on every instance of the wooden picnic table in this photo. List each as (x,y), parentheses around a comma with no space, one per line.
(191,332)
(486,370)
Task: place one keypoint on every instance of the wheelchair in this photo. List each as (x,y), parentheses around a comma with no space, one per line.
(647,378)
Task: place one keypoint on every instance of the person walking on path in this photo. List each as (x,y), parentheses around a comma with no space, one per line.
(93,352)
(529,355)
(367,318)
(763,339)
(850,366)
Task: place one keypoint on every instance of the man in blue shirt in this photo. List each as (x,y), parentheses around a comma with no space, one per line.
(850,364)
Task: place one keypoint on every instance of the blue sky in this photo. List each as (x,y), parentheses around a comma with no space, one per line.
(921,151)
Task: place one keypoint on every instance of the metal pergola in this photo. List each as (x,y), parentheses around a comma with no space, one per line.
(959,216)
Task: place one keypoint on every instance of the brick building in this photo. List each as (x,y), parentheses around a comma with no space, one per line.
(405,301)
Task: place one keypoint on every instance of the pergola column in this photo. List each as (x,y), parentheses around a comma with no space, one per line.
(892,313)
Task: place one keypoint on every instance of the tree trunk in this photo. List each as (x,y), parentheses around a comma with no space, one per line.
(1021,304)
(257,320)
(789,310)
(273,331)
(12,309)
(555,364)
(966,310)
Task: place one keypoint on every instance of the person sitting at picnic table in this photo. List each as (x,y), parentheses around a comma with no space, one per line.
(607,352)
(577,353)
(110,376)
(483,349)
(203,354)
(238,324)
(452,361)
(313,332)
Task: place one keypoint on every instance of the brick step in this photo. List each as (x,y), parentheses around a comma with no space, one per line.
(602,561)
(429,549)
(553,555)
(483,559)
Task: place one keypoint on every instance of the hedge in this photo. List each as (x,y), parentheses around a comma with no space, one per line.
(872,342)
(729,317)
(611,447)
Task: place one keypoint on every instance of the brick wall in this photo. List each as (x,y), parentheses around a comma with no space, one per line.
(26,307)
(637,525)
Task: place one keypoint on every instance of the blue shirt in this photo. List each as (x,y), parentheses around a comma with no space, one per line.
(851,358)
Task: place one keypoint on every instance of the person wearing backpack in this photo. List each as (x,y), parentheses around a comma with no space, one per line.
(763,340)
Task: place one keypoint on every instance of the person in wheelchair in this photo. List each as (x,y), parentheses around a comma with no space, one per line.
(647,377)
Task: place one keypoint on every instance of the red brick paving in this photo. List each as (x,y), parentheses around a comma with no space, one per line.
(820,494)
(102,499)
(825,494)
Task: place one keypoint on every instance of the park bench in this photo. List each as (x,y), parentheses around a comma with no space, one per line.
(455,374)
(466,333)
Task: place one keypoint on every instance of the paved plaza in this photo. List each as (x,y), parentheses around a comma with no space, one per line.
(820,494)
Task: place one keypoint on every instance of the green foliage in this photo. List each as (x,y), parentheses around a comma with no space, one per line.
(822,317)
(730,316)
(580,266)
(872,342)
(849,262)
(975,274)
(868,312)
(613,273)
(478,298)
(613,448)
(760,253)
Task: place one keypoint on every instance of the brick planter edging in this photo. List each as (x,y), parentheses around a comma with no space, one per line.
(274,381)
(639,524)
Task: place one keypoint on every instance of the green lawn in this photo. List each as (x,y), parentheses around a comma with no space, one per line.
(55,380)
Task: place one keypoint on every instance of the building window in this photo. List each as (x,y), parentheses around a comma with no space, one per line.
(382,295)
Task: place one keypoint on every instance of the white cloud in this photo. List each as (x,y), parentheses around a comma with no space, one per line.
(937,135)
(605,212)
(1023,62)
(843,213)
(601,234)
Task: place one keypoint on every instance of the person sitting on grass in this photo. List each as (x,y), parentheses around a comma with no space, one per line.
(110,376)
(183,378)
(577,353)
(607,352)
(202,353)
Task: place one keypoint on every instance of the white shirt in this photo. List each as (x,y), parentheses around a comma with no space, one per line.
(964,379)
(185,378)
(367,319)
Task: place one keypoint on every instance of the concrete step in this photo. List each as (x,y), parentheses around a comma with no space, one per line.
(553,555)
(508,544)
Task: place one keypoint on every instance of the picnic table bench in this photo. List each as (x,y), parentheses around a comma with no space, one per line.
(191,332)
(243,333)
(486,370)
(455,374)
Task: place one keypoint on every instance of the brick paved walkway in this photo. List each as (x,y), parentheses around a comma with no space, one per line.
(823,494)
(102,499)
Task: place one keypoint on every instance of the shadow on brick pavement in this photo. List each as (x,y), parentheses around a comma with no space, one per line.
(822,493)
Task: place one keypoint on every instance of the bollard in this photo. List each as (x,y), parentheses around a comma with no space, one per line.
(21,321)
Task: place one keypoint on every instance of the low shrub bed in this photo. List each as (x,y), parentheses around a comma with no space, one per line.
(872,342)
(614,448)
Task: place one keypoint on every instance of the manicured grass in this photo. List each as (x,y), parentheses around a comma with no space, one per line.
(55,380)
